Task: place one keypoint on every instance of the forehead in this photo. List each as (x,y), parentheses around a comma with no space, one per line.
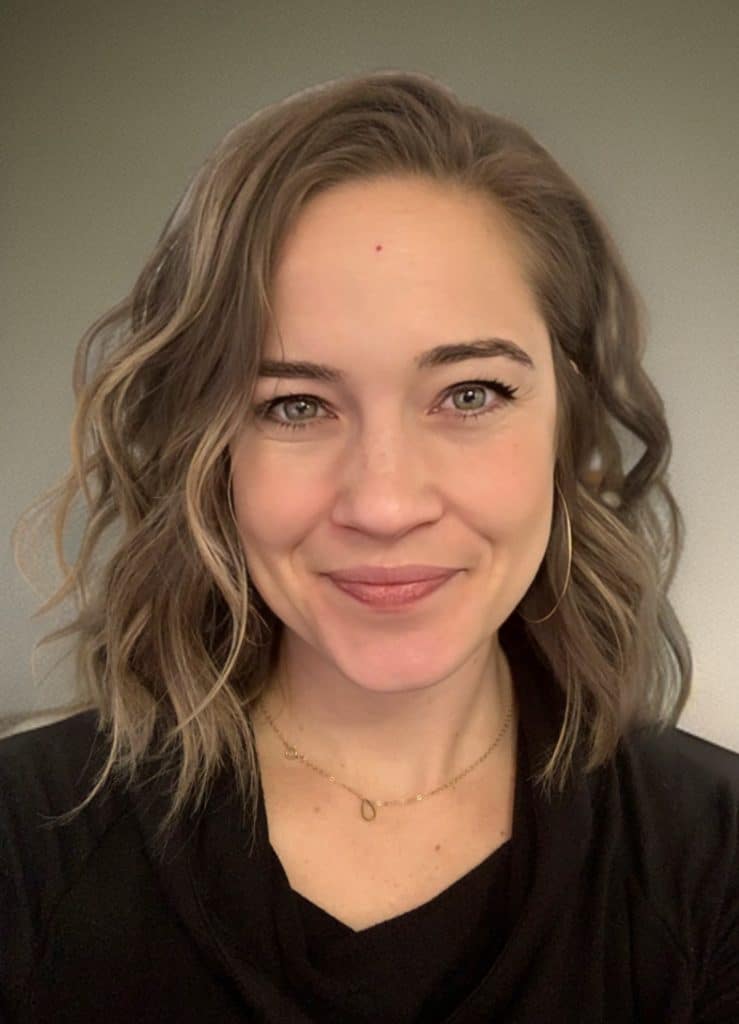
(395,221)
(407,260)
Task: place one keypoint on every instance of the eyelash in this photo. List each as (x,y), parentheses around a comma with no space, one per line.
(507,393)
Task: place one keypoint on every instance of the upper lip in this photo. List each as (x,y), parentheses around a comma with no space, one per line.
(390,574)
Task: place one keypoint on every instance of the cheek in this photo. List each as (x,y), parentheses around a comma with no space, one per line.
(510,486)
(270,503)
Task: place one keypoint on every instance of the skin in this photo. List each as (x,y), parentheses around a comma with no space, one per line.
(389,472)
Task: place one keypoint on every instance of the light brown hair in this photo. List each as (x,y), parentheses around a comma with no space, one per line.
(172,643)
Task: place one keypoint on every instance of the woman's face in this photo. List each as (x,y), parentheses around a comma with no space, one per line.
(397,461)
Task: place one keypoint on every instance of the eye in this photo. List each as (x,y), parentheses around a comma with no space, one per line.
(266,410)
(506,393)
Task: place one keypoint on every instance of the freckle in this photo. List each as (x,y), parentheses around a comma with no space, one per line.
(377,248)
(437,847)
(316,810)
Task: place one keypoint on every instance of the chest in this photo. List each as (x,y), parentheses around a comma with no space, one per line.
(363,872)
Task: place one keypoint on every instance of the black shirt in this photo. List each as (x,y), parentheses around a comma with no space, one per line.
(417,966)
(420,965)
(615,901)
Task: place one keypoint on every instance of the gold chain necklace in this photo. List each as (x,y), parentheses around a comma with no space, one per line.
(368,808)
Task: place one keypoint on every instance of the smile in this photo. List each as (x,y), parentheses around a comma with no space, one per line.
(393,595)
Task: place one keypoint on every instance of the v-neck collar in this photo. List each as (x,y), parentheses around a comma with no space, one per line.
(243,917)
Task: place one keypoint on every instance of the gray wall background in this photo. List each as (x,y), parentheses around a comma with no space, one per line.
(110,107)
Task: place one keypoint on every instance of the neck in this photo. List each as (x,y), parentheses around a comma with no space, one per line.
(391,745)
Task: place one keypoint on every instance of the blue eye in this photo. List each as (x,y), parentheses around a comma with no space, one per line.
(504,391)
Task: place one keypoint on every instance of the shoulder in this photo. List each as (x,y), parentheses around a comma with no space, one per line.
(47,771)
(678,803)
(678,794)
(670,803)
(671,772)
(64,738)
(44,774)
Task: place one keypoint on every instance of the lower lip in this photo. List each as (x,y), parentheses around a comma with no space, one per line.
(394,595)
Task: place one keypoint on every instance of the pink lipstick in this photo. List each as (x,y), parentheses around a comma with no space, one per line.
(392,595)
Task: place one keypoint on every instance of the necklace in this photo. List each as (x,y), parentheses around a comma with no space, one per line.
(368,808)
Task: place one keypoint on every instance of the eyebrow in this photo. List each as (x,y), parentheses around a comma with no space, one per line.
(441,355)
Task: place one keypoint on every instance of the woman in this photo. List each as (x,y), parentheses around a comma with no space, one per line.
(382,672)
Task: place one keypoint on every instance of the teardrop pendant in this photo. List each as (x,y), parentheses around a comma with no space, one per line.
(367,810)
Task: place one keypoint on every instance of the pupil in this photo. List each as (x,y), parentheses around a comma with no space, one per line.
(301,404)
(467,392)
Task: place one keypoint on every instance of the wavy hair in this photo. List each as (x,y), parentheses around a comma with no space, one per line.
(172,643)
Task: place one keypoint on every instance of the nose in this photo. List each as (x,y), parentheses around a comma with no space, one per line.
(387,482)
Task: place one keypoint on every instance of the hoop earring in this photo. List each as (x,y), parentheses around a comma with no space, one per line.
(569,563)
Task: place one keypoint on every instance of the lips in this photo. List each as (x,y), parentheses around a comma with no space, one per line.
(392,595)
(389,575)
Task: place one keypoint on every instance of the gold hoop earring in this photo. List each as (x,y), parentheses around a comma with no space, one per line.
(569,563)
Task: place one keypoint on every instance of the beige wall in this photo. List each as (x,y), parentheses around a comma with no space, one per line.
(111,106)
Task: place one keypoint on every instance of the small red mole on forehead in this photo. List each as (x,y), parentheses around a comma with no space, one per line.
(377,248)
